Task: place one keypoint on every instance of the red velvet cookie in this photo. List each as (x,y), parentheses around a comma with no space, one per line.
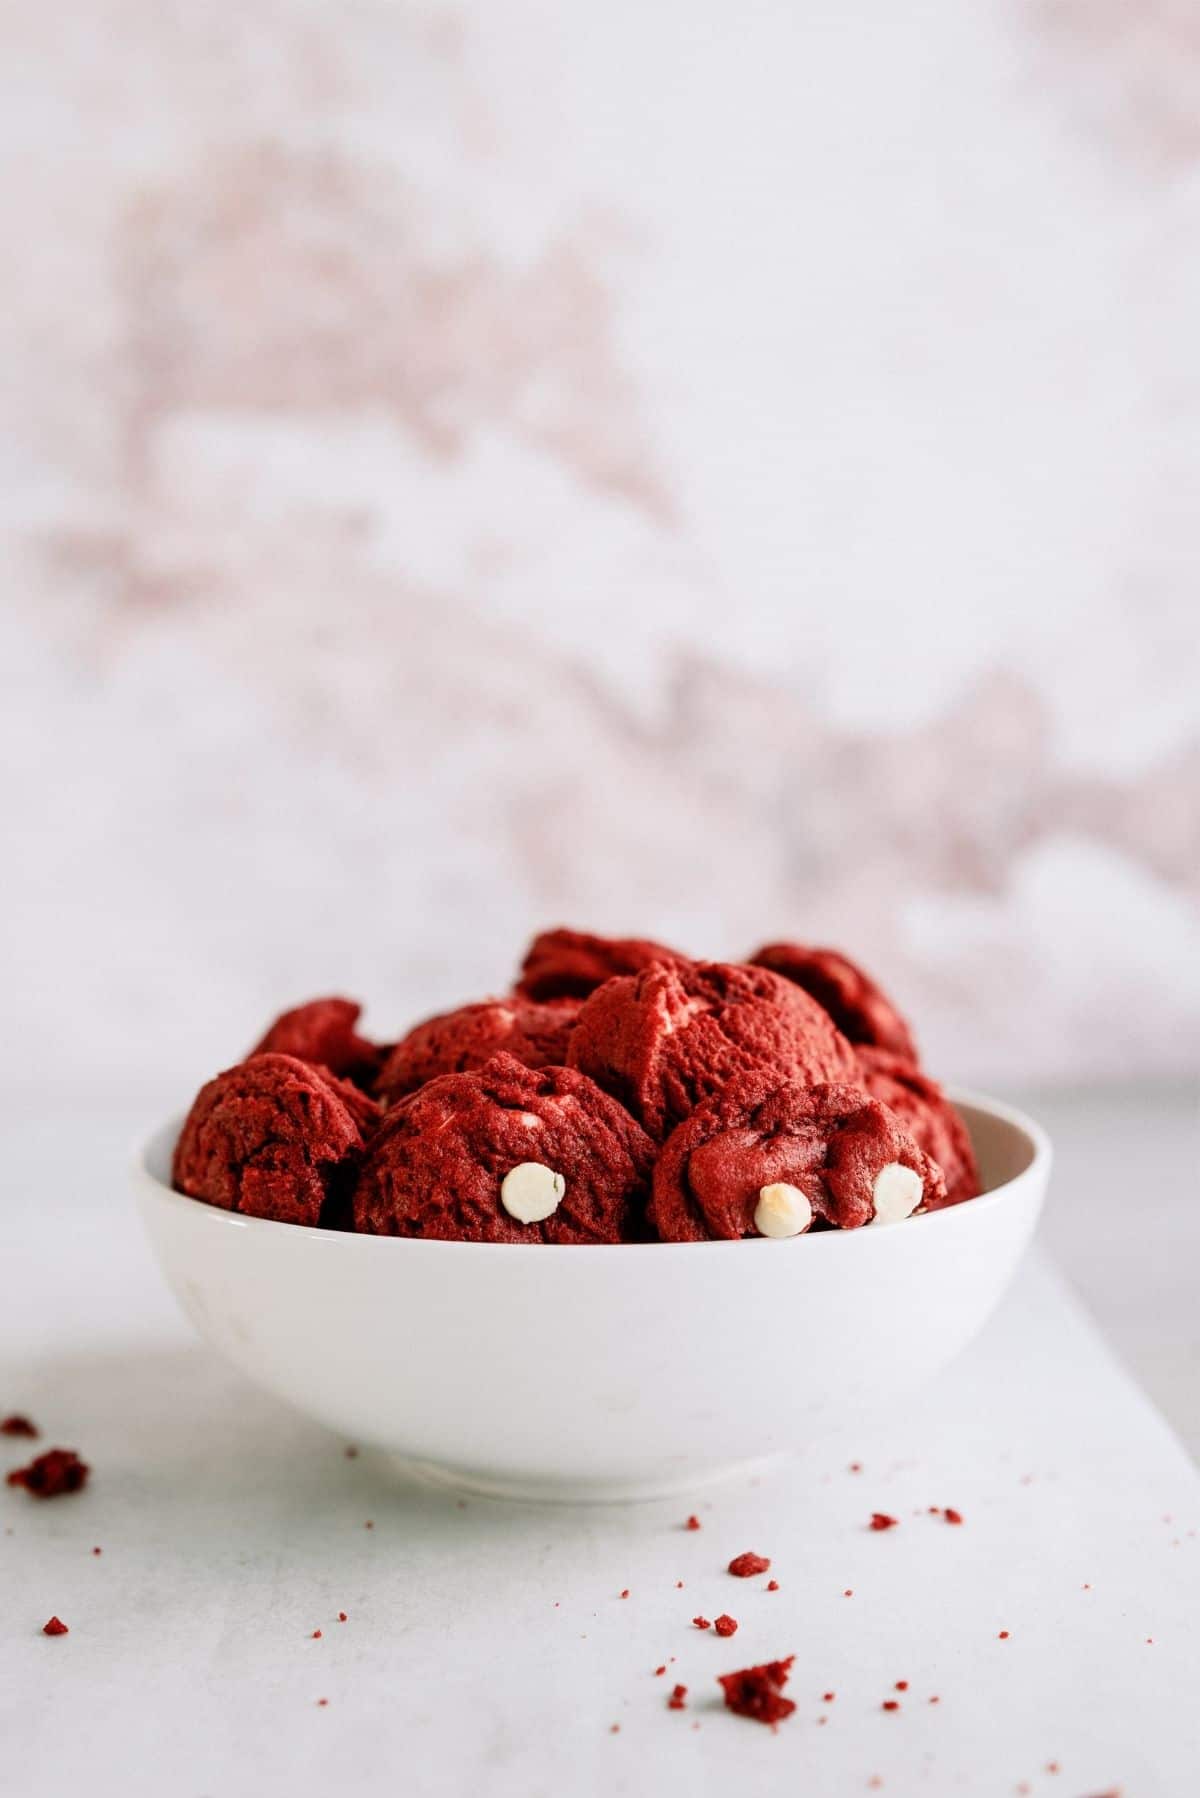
(458,1040)
(928,1114)
(571,964)
(322,1031)
(274,1137)
(507,1153)
(662,1040)
(765,1157)
(859,1008)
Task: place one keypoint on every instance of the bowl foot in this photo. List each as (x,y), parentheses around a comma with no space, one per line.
(532,1489)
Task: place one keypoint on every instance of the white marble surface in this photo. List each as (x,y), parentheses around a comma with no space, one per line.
(709,471)
(486,1647)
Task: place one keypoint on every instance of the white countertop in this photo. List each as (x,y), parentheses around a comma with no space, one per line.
(486,1647)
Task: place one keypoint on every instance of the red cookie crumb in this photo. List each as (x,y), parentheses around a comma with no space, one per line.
(951,1515)
(693,1523)
(828,1697)
(881,1521)
(747,1565)
(757,1692)
(772,1585)
(316,1635)
(58,1471)
(676,1701)
(16,1425)
(341,1616)
(935,1699)
(849,1592)
(1004,1635)
(659,1671)
(855,1467)
(97,1551)
(725,1625)
(321,1701)
(702,1622)
(902,1685)
(625,1593)
(614,1729)
(891,1704)
(55,1627)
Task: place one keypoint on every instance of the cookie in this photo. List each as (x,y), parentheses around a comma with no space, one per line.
(861,1010)
(571,964)
(928,1114)
(507,1153)
(322,1031)
(459,1040)
(662,1040)
(274,1137)
(765,1157)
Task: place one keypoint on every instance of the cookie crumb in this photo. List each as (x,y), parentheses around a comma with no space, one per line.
(881,1521)
(625,1593)
(316,1636)
(828,1697)
(951,1515)
(659,1671)
(341,1616)
(677,1700)
(745,1566)
(702,1622)
(51,1475)
(757,1692)
(725,1625)
(902,1685)
(16,1425)
(772,1585)
(55,1627)
(97,1551)
(891,1704)
(1003,1636)
(693,1523)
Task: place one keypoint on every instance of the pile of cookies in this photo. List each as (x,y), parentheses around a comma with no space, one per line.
(622,1092)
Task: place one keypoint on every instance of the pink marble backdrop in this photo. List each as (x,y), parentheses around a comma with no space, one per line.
(713,471)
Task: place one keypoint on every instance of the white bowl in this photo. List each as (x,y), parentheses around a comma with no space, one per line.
(593,1372)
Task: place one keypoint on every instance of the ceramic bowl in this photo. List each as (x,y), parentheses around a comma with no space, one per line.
(598,1372)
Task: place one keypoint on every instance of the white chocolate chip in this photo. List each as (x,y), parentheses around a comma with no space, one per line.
(782,1210)
(530,1192)
(897,1192)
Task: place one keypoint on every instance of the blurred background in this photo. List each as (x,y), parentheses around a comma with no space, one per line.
(711,472)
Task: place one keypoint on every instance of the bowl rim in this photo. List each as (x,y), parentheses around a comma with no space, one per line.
(1037,1167)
